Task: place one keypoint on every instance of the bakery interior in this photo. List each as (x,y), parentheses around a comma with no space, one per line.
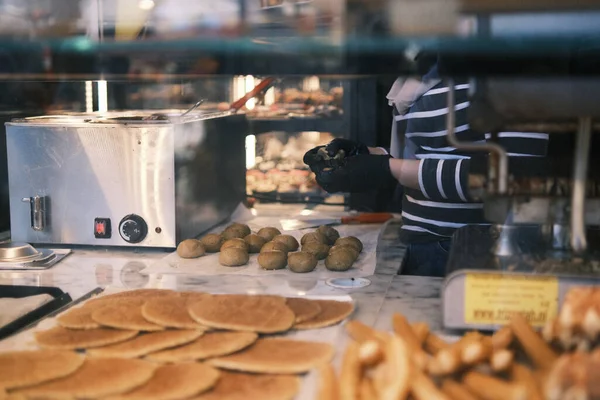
(131,126)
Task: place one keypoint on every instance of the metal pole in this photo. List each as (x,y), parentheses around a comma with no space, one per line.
(582,155)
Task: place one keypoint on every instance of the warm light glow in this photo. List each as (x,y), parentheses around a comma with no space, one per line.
(146,5)
(89,97)
(102,96)
(270,96)
(249,85)
(250,151)
(306,212)
(311,84)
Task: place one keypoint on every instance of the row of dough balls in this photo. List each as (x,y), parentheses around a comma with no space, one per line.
(277,251)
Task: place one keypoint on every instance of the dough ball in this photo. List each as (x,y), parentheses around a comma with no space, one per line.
(339,260)
(319,250)
(233,233)
(346,249)
(302,261)
(236,230)
(212,242)
(275,246)
(268,233)
(233,257)
(290,241)
(351,241)
(314,237)
(255,243)
(190,248)
(272,259)
(330,233)
(236,243)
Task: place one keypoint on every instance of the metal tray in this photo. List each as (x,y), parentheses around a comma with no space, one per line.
(60,300)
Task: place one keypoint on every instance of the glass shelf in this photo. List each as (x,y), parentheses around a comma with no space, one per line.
(546,55)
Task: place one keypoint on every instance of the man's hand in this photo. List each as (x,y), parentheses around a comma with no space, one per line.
(350,147)
(360,173)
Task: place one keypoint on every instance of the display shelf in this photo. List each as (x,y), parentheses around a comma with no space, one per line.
(331,125)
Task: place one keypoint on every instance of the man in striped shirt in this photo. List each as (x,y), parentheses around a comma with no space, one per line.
(434,174)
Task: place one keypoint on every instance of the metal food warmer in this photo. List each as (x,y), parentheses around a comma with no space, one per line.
(136,178)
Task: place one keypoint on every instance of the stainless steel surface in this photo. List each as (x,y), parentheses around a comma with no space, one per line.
(537,210)
(13,250)
(506,244)
(46,259)
(580,172)
(182,178)
(498,171)
(37,210)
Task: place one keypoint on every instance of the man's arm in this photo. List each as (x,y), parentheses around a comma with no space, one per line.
(438,180)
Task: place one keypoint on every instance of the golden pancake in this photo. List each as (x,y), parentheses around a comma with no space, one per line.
(211,344)
(170,312)
(147,343)
(78,318)
(277,356)
(241,386)
(263,314)
(142,293)
(70,339)
(331,313)
(98,377)
(175,382)
(304,309)
(124,317)
(26,368)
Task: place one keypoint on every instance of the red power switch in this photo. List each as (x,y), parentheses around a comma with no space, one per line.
(102,228)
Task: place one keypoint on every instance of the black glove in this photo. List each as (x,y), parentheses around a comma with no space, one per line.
(350,147)
(360,173)
(312,157)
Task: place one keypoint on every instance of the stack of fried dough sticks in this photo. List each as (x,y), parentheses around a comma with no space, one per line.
(414,363)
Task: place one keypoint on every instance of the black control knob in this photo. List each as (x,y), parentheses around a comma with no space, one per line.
(133,228)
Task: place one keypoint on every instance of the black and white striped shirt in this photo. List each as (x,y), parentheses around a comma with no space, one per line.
(442,204)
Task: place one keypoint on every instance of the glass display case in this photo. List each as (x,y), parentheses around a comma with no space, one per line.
(333,61)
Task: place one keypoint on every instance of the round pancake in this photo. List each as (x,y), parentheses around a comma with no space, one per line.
(175,382)
(78,318)
(170,312)
(304,309)
(147,343)
(70,339)
(98,377)
(211,344)
(123,316)
(26,368)
(263,314)
(331,313)
(241,386)
(142,293)
(277,356)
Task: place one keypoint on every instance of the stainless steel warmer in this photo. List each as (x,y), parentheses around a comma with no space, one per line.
(124,179)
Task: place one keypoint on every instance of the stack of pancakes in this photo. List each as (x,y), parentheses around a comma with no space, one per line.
(165,345)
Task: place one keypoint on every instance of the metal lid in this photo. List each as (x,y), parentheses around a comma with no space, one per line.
(20,252)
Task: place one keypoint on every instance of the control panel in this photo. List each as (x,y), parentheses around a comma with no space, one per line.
(133,228)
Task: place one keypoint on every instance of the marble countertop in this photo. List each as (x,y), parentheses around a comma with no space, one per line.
(87,269)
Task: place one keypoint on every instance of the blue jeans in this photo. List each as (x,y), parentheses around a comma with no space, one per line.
(426,259)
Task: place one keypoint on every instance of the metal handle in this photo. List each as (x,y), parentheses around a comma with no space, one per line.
(367,218)
(37,210)
(192,108)
(498,171)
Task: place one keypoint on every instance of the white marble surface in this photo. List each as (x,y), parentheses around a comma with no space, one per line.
(87,269)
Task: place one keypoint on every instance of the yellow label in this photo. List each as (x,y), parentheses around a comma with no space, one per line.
(494,298)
